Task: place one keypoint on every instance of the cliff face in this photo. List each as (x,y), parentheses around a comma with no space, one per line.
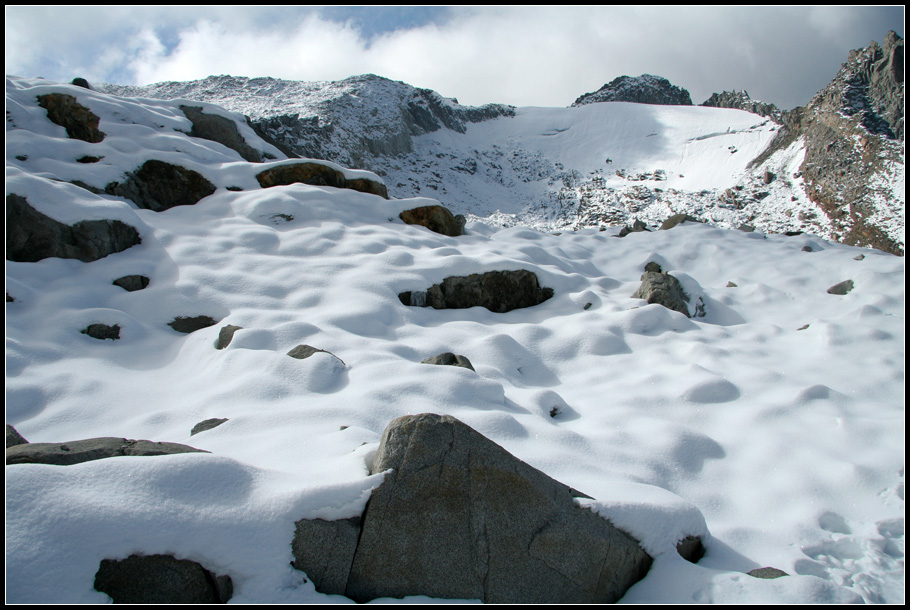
(853,132)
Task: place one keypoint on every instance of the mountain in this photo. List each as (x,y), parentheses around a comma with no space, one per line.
(644,89)
(731,162)
(257,324)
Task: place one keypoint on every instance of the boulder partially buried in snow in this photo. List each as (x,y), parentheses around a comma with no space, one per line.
(220,129)
(498,291)
(317,174)
(436,218)
(161,579)
(159,186)
(80,122)
(458,517)
(663,289)
(76,452)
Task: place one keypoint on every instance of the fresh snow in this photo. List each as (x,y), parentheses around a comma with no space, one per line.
(781,445)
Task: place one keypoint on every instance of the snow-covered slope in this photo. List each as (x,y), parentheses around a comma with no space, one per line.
(773,426)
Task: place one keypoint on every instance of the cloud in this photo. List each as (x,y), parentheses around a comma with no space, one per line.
(544,56)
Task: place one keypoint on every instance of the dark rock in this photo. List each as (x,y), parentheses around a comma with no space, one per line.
(220,129)
(324,550)
(159,186)
(450,359)
(498,291)
(768,177)
(207,424)
(766,573)
(803,327)
(226,335)
(81,82)
(663,289)
(13,437)
(731,285)
(88,159)
(317,174)
(637,227)
(690,548)
(746,228)
(807,248)
(742,101)
(161,579)
(80,123)
(132,283)
(677,219)
(188,325)
(458,517)
(644,89)
(841,288)
(859,257)
(9,299)
(32,236)
(102,331)
(76,452)
(301,352)
(434,217)
(792,233)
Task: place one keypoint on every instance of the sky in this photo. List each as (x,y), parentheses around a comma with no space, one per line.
(520,55)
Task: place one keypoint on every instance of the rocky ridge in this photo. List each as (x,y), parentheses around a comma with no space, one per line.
(644,89)
(741,100)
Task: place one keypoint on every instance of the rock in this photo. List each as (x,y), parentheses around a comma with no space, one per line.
(301,352)
(768,177)
(841,287)
(644,89)
(746,228)
(80,82)
(742,101)
(13,437)
(637,227)
(663,289)
(32,236)
(807,248)
(766,573)
(102,331)
(498,291)
(317,174)
(161,579)
(690,548)
(731,285)
(450,359)
(803,327)
(159,186)
(220,129)
(324,550)
(226,335)
(434,217)
(80,123)
(677,219)
(188,325)
(458,517)
(859,257)
(76,452)
(207,424)
(132,283)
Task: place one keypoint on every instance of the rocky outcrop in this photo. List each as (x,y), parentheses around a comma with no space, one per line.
(76,452)
(740,100)
(449,359)
(498,291)
(32,236)
(644,89)
(436,218)
(317,174)
(80,122)
(220,129)
(663,289)
(159,186)
(161,579)
(458,517)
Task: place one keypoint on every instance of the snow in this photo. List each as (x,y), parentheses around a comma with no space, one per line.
(779,446)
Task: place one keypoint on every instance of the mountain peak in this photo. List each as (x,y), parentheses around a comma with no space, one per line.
(644,89)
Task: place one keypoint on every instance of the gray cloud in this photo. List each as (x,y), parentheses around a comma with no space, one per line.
(543,56)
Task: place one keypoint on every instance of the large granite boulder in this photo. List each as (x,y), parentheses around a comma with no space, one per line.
(498,291)
(458,517)
(159,186)
(76,452)
(32,236)
(663,289)
(220,129)
(317,174)
(436,218)
(80,122)
(161,579)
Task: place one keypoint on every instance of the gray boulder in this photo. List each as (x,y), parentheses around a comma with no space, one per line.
(841,288)
(498,291)
(303,351)
(159,186)
(324,550)
(220,129)
(13,437)
(226,335)
(161,579)
(32,236)
(450,359)
(76,452)
(132,283)
(436,218)
(207,424)
(191,324)
(768,573)
(458,517)
(80,122)
(663,289)
(677,219)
